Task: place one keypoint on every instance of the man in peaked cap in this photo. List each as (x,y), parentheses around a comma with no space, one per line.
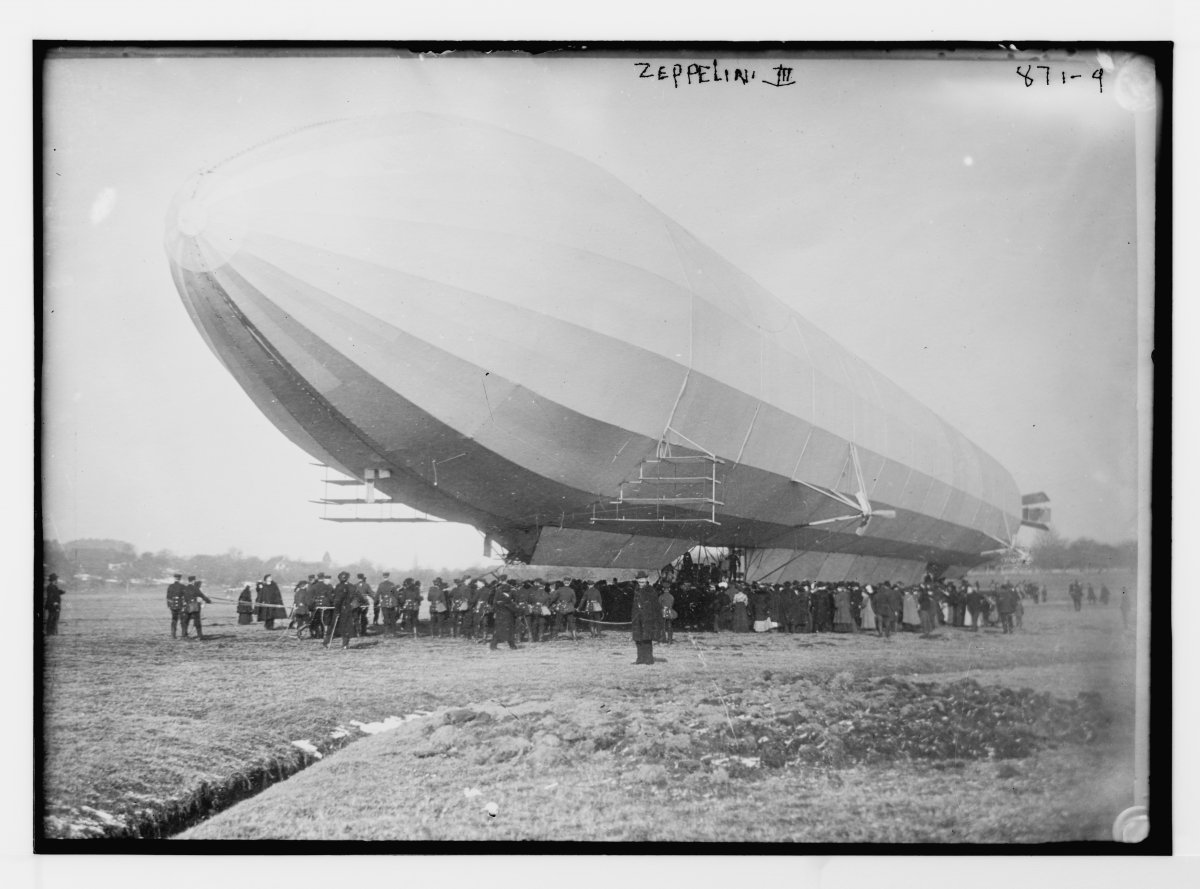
(388,600)
(322,606)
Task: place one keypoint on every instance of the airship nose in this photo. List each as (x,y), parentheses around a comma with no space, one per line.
(205,224)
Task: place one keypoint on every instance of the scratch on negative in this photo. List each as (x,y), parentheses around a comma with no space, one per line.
(487,401)
(621,448)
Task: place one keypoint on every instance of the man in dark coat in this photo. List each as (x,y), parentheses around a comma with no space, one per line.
(191,607)
(504,608)
(347,600)
(52,605)
(887,606)
(646,619)
(368,597)
(175,602)
(1006,605)
(270,602)
(1076,591)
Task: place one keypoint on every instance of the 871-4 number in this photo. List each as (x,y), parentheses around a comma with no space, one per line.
(1030,78)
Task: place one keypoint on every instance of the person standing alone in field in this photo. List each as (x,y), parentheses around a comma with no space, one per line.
(52,605)
(646,618)
(175,602)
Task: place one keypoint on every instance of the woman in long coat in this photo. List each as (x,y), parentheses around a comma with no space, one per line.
(822,609)
(270,602)
(645,619)
(843,620)
(245,608)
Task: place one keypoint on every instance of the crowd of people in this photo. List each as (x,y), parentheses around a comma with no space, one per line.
(499,610)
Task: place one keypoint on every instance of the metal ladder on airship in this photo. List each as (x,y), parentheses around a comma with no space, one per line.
(670,488)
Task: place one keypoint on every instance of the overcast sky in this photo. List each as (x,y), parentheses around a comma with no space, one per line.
(971,237)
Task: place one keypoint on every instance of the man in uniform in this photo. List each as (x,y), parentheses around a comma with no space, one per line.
(387,600)
(410,605)
(505,610)
(540,598)
(646,619)
(593,605)
(563,606)
(191,606)
(322,618)
(347,601)
(460,606)
(523,601)
(175,602)
(367,595)
(52,605)
(437,608)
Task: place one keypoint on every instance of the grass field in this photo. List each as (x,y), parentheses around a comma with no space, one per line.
(965,737)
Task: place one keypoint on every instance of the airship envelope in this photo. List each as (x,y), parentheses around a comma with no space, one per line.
(508,336)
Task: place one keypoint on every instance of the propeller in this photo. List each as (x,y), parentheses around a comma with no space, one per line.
(865,513)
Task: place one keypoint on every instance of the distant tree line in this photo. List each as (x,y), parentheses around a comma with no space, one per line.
(1051,552)
(103,560)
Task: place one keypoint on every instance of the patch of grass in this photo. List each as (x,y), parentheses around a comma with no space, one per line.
(577,743)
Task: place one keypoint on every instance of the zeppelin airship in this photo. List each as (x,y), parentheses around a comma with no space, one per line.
(497,332)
